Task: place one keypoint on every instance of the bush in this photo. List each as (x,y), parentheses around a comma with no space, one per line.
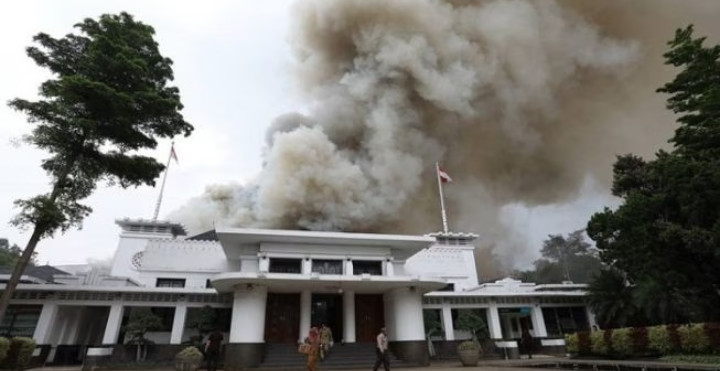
(19,353)
(4,348)
(659,340)
(572,343)
(598,345)
(190,352)
(693,339)
(621,342)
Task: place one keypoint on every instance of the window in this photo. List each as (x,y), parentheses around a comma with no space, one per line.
(279,265)
(170,282)
(327,266)
(448,287)
(167,315)
(565,320)
(367,267)
(208,284)
(20,321)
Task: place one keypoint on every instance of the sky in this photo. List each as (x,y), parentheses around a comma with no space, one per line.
(232,65)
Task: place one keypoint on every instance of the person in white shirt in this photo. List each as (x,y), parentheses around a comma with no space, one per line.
(381,350)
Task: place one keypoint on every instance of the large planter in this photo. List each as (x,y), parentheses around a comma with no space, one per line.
(469,353)
(187,363)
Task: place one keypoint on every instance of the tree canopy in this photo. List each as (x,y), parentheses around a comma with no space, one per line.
(663,238)
(564,258)
(10,254)
(108,98)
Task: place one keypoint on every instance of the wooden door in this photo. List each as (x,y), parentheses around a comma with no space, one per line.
(282,318)
(369,317)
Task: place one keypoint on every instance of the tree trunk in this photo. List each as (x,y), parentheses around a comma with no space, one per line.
(18,270)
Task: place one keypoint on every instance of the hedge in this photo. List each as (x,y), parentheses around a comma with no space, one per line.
(665,340)
(4,348)
(19,353)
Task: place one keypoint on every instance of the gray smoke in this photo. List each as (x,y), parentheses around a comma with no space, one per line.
(521,100)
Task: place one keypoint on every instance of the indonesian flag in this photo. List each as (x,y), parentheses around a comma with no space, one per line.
(444,177)
(173,155)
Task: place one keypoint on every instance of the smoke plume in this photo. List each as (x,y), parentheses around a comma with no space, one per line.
(521,100)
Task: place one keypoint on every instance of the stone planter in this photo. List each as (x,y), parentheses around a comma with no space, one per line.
(187,363)
(469,353)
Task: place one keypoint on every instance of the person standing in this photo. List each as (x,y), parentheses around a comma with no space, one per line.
(527,342)
(212,349)
(326,339)
(381,351)
(313,339)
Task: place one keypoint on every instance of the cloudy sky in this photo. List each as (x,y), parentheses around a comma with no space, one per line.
(232,65)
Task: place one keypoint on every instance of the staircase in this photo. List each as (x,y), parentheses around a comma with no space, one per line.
(341,357)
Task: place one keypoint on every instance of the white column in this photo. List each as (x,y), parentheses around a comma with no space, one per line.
(494,322)
(248,314)
(408,314)
(178,323)
(591,318)
(264,265)
(349,316)
(349,267)
(45,323)
(306,266)
(305,313)
(389,268)
(112,329)
(538,322)
(447,323)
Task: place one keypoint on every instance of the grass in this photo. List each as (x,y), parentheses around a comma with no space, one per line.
(705,359)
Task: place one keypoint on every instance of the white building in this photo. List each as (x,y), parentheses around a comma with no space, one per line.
(271,286)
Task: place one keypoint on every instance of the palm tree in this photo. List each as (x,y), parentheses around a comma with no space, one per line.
(611,298)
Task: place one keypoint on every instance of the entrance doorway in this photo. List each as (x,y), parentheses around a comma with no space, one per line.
(369,317)
(328,309)
(282,318)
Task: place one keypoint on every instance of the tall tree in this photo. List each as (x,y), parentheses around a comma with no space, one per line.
(665,236)
(564,258)
(107,99)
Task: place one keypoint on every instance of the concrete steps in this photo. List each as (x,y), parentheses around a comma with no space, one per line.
(348,356)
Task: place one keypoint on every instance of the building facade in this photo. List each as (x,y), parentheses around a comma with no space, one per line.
(271,286)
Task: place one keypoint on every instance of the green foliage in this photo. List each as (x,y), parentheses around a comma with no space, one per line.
(468,345)
(622,342)
(469,320)
(19,353)
(598,345)
(108,98)
(572,343)
(639,337)
(664,237)
(10,254)
(142,320)
(564,258)
(693,339)
(713,360)
(191,352)
(4,348)
(659,340)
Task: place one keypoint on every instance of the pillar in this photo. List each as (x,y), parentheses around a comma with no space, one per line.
(447,323)
(349,316)
(305,314)
(112,328)
(45,323)
(349,267)
(264,264)
(538,322)
(389,269)
(592,322)
(494,322)
(408,341)
(178,323)
(306,266)
(246,342)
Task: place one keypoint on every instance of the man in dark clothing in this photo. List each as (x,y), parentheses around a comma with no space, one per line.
(382,352)
(212,349)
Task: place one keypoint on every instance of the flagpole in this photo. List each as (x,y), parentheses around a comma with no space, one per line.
(442,198)
(162,186)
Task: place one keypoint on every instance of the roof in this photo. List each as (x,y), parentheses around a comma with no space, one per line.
(210,235)
(43,272)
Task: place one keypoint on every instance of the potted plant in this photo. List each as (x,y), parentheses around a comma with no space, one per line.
(188,359)
(142,321)
(469,352)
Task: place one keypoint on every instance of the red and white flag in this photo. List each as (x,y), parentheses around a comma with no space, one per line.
(173,155)
(444,177)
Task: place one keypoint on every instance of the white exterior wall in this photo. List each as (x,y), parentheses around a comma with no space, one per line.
(456,264)
(129,245)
